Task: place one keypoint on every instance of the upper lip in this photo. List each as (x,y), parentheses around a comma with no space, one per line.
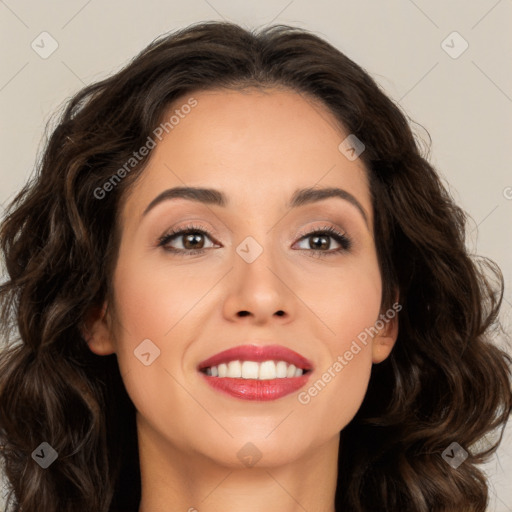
(257,353)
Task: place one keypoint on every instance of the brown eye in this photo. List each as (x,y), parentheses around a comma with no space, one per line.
(319,241)
(193,241)
(189,240)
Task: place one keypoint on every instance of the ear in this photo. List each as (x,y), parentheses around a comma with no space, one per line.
(96,331)
(384,340)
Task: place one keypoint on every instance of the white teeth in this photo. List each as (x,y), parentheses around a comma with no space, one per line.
(267,370)
(252,370)
(291,371)
(281,367)
(223,370)
(234,369)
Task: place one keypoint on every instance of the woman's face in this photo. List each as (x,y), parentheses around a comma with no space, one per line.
(256,278)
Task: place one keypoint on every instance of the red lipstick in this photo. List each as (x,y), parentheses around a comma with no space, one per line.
(255,388)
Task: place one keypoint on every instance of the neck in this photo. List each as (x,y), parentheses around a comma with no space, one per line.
(179,478)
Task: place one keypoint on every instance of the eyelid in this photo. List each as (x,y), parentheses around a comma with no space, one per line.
(176,232)
(324,227)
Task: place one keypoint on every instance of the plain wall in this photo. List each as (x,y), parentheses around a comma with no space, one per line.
(464,101)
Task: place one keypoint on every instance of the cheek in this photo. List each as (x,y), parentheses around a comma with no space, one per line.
(345,300)
(151,300)
(348,306)
(335,395)
(145,319)
(150,303)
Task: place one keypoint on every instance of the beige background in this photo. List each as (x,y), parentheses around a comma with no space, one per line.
(465,102)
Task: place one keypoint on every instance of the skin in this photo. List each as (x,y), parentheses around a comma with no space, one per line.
(258,148)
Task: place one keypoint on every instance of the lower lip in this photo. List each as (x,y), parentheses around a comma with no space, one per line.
(253,389)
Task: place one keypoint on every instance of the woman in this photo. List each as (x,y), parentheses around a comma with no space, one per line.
(238,284)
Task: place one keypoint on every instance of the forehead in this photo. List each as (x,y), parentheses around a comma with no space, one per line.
(258,146)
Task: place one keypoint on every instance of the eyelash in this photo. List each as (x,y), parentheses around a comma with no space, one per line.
(342,239)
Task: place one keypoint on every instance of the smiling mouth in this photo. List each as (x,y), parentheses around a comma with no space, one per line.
(255,372)
(252,370)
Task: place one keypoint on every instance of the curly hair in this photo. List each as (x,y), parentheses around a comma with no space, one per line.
(444,381)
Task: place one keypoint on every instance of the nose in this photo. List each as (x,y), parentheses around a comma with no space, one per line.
(258,290)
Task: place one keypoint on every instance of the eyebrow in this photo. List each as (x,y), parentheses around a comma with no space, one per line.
(215,197)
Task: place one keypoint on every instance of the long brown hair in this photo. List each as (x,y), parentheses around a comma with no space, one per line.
(444,382)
